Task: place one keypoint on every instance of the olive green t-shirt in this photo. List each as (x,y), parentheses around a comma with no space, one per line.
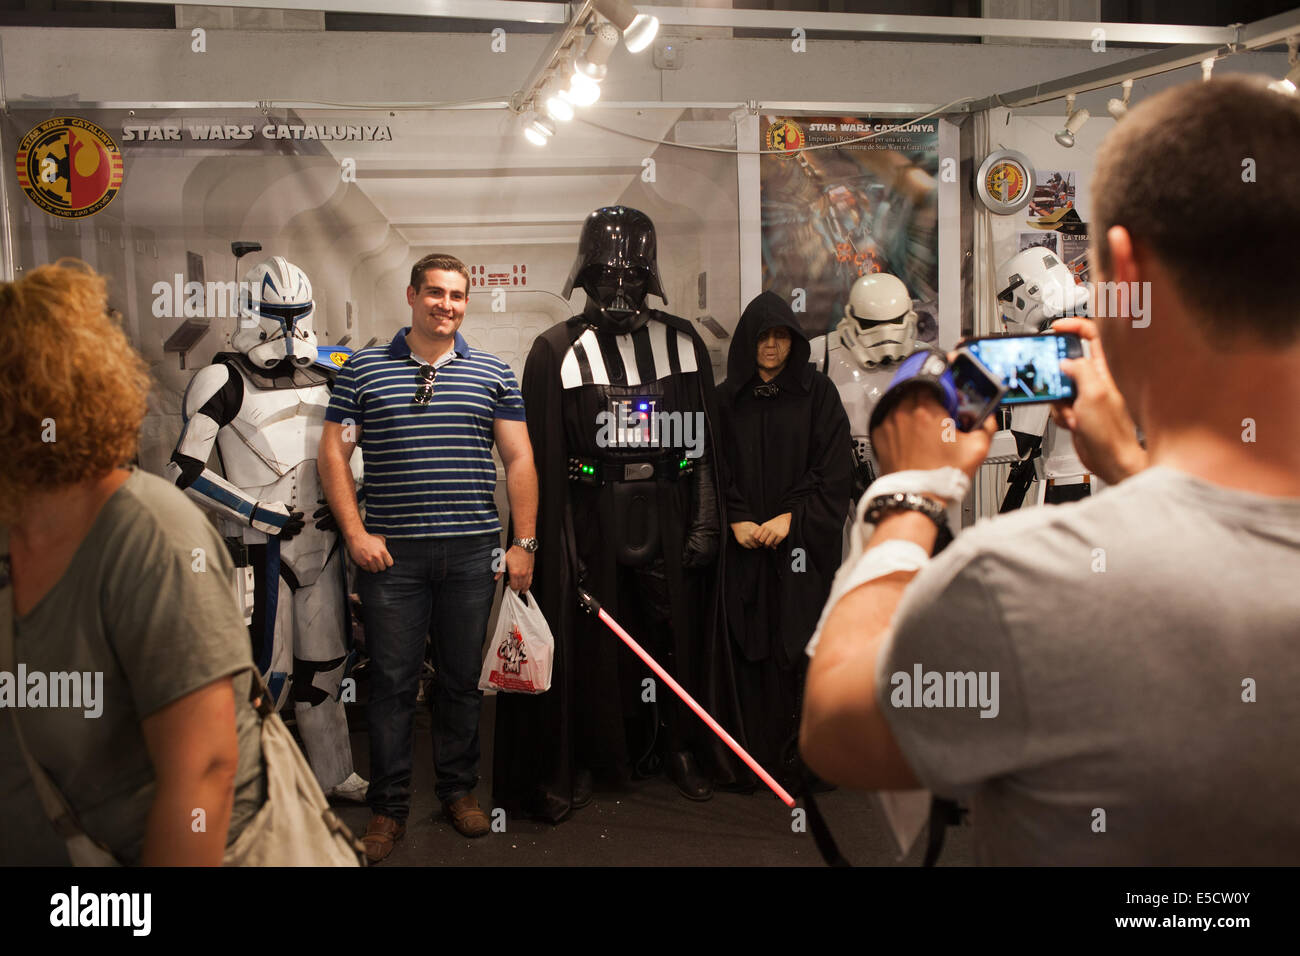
(147,601)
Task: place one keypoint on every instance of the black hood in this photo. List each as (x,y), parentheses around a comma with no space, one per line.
(767,311)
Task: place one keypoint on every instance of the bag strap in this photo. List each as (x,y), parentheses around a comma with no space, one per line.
(55,805)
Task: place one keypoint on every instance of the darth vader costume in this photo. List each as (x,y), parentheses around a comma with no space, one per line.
(788,450)
(622,420)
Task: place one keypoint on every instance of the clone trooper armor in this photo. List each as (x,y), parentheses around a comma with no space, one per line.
(1036,288)
(263,407)
(878,330)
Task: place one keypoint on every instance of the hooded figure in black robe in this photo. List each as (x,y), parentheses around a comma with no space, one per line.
(787,452)
(632,512)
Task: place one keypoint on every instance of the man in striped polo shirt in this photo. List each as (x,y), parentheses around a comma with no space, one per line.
(426,409)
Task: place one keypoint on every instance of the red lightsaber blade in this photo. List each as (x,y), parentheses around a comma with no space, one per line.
(592,605)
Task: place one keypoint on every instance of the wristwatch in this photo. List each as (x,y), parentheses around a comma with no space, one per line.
(882,505)
(528,544)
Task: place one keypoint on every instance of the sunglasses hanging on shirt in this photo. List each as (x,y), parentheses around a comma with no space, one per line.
(424,394)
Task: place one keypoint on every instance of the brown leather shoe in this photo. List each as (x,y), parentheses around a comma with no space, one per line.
(467,817)
(380,836)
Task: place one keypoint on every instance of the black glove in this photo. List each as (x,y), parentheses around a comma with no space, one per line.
(324,517)
(292,526)
(701,547)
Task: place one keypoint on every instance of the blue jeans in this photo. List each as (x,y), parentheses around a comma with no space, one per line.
(442,588)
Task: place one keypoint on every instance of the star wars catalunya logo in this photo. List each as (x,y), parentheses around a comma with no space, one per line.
(946,689)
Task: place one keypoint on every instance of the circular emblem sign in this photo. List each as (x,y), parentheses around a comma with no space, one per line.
(1005,181)
(69,167)
(785,136)
(338,358)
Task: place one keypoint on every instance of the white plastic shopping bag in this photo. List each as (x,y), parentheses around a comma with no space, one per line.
(519,658)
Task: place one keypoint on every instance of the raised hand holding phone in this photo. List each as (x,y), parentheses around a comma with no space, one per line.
(1105,436)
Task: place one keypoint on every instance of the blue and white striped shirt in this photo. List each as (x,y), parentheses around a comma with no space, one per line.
(428,469)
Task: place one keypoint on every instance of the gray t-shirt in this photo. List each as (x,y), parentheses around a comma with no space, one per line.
(1147,646)
(134,605)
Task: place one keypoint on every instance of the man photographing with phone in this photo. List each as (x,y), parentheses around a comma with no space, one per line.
(1140,643)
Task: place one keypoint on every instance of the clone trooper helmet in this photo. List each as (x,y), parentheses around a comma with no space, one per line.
(616,266)
(1034,288)
(879,325)
(275,315)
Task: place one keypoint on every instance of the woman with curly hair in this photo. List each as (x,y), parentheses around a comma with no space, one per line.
(120,588)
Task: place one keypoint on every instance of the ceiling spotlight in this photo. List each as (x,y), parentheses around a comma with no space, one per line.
(638,28)
(556,102)
(537,130)
(1118,108)
(1289,83)
(1074,120)
(591,64)
(583,90)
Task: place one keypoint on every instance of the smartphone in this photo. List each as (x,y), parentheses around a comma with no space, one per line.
(978,390)
(1029,366)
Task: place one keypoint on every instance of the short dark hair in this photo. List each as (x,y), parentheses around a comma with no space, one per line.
(1175,174)
(437,260)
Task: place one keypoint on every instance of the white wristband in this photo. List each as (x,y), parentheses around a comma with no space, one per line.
(882,560)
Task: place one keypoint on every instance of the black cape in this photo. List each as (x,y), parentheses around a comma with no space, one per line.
(540,741)
(790,452)
(787,453)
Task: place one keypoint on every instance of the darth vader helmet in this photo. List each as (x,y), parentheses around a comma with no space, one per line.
(616,266)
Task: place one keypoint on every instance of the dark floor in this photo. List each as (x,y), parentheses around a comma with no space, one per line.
(648,825)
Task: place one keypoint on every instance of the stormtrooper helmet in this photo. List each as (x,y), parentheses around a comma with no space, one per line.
(1035,288)
(275,315)
(879,325)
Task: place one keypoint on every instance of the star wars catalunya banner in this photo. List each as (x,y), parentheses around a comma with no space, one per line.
(849,208)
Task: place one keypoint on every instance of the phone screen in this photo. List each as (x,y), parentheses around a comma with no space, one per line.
(977,394)
(1029,365)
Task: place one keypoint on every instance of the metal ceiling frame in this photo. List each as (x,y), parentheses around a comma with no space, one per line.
(1189,44)
(1245,37)
(880,23)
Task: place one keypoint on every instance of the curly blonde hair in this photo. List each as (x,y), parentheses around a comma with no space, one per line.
(66,364)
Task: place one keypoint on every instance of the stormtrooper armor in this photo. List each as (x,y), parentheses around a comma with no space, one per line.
(1034,289)
(877,331)
(263,407)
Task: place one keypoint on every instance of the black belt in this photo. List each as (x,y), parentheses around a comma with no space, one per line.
(594,471)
